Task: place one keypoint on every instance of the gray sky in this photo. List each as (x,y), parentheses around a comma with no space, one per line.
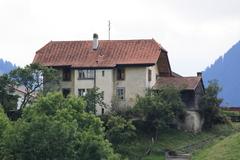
(195,32)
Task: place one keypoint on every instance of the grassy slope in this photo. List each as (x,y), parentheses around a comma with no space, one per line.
(226,149)
(175,140)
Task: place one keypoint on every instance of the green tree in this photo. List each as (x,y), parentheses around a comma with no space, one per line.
(160,108)
(209,105)
(33,77)
(7,99)
(55,127)
(93,98)
(119,130)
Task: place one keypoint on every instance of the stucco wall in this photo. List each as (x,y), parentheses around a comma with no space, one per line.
(105,84)
(134,83)
(81,83)
(193,122)
(67,84)
(155,72)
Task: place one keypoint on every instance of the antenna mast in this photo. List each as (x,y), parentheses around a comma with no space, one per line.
(109,27)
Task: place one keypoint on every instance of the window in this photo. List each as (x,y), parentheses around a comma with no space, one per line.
(81,92)
(149,75)
(85,74)
(102,111)
(65,92)
(103,73)
(120,74)
(66,74)
(121,93)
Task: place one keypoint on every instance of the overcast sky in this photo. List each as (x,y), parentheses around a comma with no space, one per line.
(194,32)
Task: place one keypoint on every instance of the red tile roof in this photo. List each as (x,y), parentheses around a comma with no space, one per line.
(183,83)
(108,54)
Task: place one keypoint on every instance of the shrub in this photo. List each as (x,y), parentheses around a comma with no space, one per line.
(160,108)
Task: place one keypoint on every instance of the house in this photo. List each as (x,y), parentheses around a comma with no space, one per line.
(120,68)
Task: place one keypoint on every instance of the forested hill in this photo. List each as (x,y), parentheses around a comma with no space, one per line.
(226,70)
(6,66)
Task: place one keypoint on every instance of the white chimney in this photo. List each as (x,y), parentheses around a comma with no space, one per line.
(95,41)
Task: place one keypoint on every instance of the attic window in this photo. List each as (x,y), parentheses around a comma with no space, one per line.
(120,74)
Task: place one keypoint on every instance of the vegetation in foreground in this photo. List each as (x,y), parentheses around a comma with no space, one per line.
(226,149)
(54,127)
(177,140)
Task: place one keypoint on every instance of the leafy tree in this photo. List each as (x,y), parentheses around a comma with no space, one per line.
(93,98)
(7,99)
(160,108)
(119,130)
(209,105)
(31,78)
(54,127)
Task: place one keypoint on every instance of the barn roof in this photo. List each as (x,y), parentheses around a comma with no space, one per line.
(183,83)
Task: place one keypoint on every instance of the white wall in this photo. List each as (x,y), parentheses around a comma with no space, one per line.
(105,84)
(134,83)
(155,72)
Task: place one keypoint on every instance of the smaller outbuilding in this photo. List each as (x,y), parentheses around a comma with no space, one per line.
(191,89)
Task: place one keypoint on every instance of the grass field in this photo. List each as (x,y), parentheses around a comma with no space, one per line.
(178,140)
(226,149)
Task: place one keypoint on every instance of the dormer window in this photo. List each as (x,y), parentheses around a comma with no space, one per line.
(120,74)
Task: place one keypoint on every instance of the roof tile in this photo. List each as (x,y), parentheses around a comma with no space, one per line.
(109,53)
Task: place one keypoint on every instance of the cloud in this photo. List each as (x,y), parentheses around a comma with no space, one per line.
(194,32)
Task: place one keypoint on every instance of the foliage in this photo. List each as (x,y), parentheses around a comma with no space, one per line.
(209,105)
(119,130)
(160,108)
(4,123)
(176,140)
(93,98)
(55,127)
(226,149)
(31,78)
(7,99)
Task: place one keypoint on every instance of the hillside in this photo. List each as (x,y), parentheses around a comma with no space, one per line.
(226,71)
(226,149)
(6,66)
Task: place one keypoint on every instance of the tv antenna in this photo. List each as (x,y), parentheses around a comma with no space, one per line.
(109,27)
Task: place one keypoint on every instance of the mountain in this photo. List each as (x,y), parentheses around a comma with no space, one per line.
(6,66)
(226,70)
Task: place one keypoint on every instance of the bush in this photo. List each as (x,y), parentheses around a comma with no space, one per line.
(55,127)
(210,106)
(160,109)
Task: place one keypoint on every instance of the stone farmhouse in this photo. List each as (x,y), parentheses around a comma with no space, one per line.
(119,68)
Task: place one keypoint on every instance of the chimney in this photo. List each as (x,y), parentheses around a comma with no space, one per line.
(199,74)
(95,41)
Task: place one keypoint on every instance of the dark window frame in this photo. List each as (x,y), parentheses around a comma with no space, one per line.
(66,74)
(122,95)
(66,92)
(103,73)
(149,75)
(86,74)
(121,74)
